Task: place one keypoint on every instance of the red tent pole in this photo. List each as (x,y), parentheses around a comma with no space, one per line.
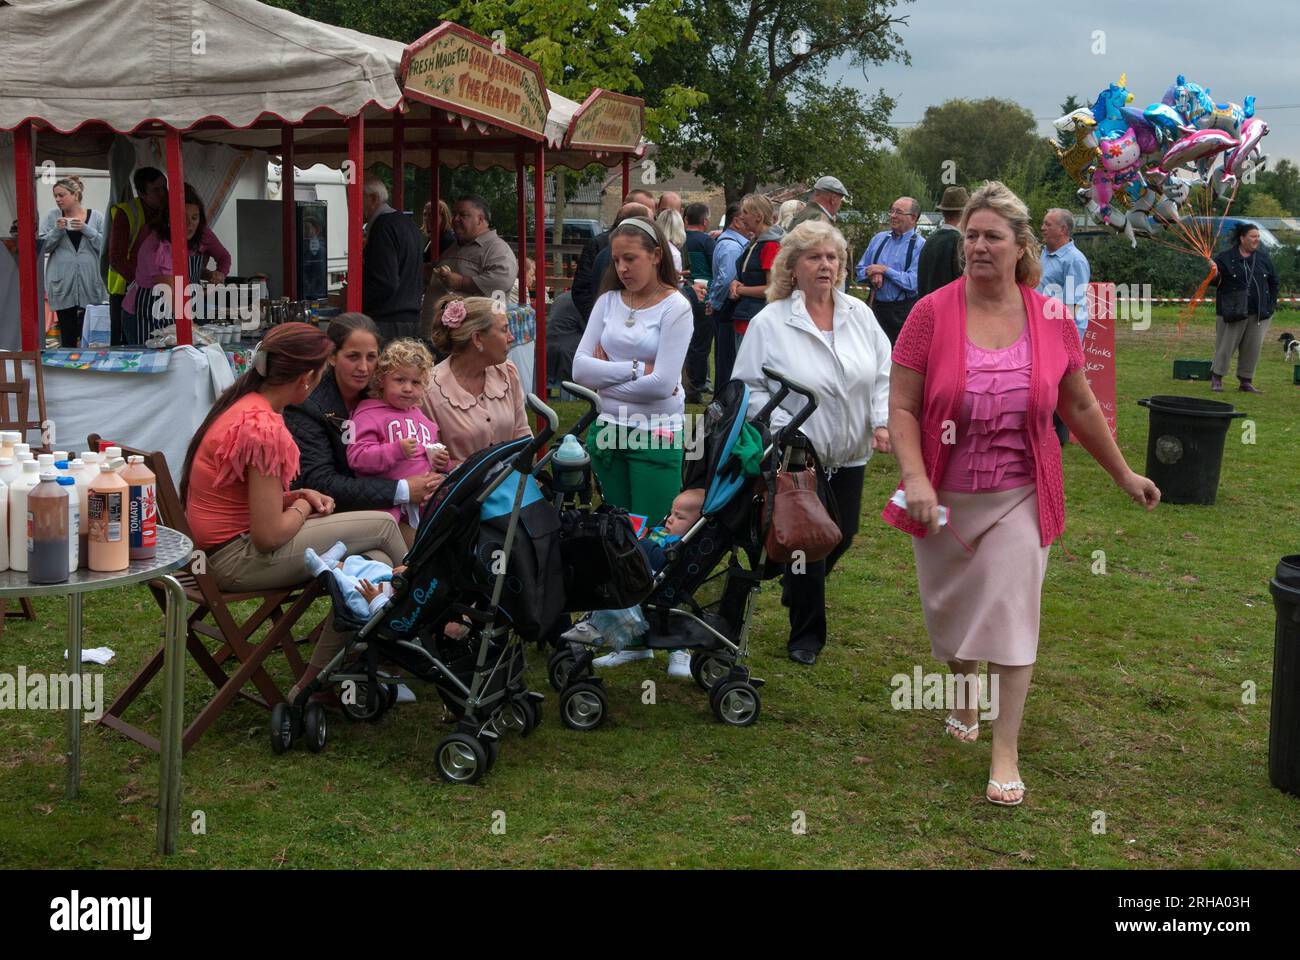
(399,163)
(180,246)
(521,210)
(627,176)
(356,129)
(288,215)
(435,197)
(29,297)
(539,303)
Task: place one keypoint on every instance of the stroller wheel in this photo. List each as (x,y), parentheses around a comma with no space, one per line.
(461,759)
(281,728)
(736,703)
(390,694)
(369,702)
(315,728)
(708,668)
(530,713)
(583,706)
(491,747)
(559,666)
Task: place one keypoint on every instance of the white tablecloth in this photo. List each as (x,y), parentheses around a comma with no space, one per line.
(149,411)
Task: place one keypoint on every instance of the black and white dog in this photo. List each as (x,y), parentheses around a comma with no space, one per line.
(1290,347)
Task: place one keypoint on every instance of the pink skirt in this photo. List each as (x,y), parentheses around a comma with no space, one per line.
(984,605)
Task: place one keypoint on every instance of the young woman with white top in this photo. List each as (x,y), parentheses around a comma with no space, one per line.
(830,342)
(632,354)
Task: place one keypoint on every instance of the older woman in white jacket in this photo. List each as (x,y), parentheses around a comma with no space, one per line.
(830,342)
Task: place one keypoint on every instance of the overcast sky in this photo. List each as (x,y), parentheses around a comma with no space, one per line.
(1036,52)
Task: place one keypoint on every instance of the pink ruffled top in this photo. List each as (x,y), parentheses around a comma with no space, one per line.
(249,434)
(992,449)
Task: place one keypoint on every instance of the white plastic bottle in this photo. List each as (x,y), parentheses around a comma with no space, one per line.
(9,470)
(61,455)
(80,471)
(46,460)
(25,483)
(74,520)
(4,525)
(20,449)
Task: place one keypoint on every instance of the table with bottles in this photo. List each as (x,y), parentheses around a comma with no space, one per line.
(50,553)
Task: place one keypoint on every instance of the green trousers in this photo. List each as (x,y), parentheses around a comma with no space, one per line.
(638,471)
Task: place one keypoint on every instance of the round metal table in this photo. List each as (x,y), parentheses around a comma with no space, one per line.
(174,551)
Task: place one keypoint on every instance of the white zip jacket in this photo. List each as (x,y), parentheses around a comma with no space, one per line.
(850,380)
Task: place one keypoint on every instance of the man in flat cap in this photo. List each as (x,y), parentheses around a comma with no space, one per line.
(827,196)
(937,266)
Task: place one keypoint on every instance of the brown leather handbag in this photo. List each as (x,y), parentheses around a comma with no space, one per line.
(796,518)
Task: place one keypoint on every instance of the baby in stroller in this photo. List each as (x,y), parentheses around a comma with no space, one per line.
(364,583)
(620,629)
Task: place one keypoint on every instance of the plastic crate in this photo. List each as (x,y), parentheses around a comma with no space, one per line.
(1192,369)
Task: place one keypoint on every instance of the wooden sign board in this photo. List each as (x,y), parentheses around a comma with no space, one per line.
(1099,348)
(607,122)
(470,76)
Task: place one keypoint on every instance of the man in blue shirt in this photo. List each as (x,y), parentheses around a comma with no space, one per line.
(1065,268)
(731,244)
(889,265)
(1065,278)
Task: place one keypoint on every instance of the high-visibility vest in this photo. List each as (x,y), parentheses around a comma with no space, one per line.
(134,210)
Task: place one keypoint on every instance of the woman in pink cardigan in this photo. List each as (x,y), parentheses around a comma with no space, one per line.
(978,369)
(154,265)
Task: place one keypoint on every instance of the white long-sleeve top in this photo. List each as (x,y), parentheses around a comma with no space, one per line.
(849,377)
(659,335)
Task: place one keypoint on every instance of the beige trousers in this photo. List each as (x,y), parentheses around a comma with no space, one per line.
(240,566)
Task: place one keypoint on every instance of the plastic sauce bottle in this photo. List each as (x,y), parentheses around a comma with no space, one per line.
(47,525)
(18,492)
(107,548)
(80,472)
(61,455)
(20,449)
(7,440)
(74,520)
(9,470)
(4,525)
(142,508)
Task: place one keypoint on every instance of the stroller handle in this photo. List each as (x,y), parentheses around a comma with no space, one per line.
(787,386)
(593,405)
(523,460)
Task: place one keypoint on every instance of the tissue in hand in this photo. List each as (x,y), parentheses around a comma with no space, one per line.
(899,499)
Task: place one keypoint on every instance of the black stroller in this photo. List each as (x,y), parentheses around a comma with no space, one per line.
(731,528)
(486,561)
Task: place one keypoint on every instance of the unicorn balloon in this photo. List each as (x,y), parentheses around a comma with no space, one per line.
(1198,109)
(1108,109)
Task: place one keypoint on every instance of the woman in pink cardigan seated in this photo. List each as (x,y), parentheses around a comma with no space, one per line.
(140,314)
(978,369)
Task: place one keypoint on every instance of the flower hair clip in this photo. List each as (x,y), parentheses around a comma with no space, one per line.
(453,315)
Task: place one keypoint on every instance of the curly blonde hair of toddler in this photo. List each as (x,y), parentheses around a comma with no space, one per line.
(401,353)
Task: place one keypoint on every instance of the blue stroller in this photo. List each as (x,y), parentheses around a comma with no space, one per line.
(486,558)
(731,529)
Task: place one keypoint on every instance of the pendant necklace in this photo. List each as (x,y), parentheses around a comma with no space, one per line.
(631,317)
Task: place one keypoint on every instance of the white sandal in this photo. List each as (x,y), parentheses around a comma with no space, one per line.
(952,723)
(1006,788)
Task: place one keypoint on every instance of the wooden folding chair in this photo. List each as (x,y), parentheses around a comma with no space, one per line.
(16,414)
(281,609)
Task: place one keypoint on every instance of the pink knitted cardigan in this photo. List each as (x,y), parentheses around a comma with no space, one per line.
(933,343)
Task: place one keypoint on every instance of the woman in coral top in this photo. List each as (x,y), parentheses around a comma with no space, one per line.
(978,369)
(235,483)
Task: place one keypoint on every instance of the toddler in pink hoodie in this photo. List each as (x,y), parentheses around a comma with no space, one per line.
(391,436)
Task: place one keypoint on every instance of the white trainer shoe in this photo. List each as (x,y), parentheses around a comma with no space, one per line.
(679,664)
(622,657)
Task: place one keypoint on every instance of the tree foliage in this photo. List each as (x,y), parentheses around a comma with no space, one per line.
(770,115)
(969,141)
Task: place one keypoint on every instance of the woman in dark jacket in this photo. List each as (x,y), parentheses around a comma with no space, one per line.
(1243,306)
(321,426)
(749,289)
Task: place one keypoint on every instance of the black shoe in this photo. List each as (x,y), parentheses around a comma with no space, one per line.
(806,657)
(693,396)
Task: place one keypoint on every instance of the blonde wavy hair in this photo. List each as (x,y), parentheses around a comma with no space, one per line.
(759,206)
(480,314)
(401,353)
(809,234)
(997,197)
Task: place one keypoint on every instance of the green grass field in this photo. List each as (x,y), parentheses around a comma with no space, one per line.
(1136,712)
